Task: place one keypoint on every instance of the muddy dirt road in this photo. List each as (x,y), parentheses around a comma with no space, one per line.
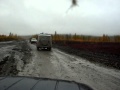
(59,65)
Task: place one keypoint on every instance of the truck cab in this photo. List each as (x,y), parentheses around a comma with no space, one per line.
(44,41)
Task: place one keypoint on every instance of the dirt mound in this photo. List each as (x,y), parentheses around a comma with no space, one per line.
(14,58)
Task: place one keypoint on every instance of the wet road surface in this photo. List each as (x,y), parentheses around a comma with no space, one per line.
(59,65)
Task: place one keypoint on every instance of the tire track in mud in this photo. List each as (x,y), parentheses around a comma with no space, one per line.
(66,71)
(91,74)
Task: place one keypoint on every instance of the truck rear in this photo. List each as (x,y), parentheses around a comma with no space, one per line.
(44,42)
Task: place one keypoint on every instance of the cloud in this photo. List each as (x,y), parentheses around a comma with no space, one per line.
(94,17)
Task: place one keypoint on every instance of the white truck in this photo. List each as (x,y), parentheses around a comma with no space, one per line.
(33,40)
(44,41)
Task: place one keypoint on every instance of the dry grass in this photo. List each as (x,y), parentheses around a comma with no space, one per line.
(9,38)
(83,38)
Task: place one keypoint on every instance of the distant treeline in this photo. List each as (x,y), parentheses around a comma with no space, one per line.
(84,38)
(9,37)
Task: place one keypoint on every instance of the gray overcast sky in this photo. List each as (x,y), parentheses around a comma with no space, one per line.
(90,17)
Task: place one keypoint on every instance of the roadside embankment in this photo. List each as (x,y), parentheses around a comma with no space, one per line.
(13,56)
(106,54)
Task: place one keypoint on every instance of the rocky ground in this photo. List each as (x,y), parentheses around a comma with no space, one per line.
(13,56)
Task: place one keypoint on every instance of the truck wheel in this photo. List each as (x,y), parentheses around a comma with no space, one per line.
(49,49)
(38,48)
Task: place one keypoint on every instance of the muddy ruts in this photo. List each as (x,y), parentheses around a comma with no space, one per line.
(10,63)
(8,66)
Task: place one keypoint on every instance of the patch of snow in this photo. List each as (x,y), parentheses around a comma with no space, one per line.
(4,51)
(19,62)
